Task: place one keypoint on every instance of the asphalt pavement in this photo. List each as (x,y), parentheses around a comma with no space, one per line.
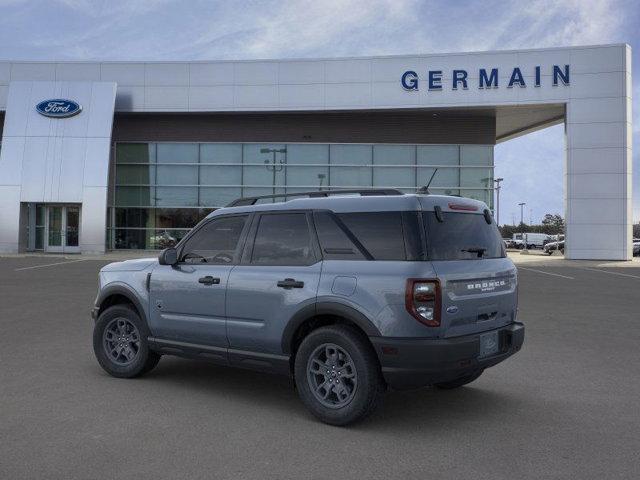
(566,406)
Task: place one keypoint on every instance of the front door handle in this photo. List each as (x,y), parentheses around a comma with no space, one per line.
(289,283)
(209,280)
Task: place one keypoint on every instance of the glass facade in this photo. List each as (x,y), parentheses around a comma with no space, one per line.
(161,190)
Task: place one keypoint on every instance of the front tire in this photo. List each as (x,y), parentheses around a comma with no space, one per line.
(120,343)
(337,375)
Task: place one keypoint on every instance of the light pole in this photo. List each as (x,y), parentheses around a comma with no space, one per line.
(522,204)
(273,165)
(497,182)
(524,235)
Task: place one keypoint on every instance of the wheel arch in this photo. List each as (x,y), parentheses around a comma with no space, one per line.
(119,294)
(320,314)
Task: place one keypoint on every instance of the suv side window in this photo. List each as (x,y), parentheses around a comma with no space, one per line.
(216,242)
(381,233)
(334,241)
(283,239)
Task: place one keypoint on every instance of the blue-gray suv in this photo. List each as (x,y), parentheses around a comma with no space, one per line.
(347,292)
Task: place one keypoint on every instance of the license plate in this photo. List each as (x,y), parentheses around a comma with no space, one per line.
(489,344)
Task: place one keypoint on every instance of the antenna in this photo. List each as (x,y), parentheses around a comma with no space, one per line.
(424,190)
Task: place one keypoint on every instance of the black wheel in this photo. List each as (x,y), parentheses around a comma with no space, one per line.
(120,343)
(337,375)
(459,382)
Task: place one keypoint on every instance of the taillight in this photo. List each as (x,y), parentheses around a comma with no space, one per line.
(422,299)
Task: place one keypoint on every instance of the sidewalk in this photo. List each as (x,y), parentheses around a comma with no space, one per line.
(536,257)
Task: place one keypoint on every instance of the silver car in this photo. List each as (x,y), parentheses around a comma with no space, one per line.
(349,293)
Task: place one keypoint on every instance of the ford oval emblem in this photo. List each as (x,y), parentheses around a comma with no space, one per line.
(452,309)
(58,108)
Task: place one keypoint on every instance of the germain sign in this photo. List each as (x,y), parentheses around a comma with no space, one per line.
(58,108)
(487,78)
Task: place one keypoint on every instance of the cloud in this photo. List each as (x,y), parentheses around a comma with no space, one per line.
(247,29)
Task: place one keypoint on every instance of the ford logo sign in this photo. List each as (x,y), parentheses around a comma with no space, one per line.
(58,108)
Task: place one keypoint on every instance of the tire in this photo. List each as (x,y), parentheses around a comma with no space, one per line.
(354,390)
(132,357)
(459,382)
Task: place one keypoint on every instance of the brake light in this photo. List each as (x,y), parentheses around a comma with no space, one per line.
(422,300)
(462,206)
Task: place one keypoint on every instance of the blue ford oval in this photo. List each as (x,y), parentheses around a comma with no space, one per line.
(58,108)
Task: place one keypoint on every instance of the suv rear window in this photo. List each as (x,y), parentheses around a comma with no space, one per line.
(462,236)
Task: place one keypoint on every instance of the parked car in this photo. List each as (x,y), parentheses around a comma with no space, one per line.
(532,240)
(553,246)
(636,247)
(341,292)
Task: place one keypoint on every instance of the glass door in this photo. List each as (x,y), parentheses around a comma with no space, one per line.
(62,229)
(54,229)
(72,229)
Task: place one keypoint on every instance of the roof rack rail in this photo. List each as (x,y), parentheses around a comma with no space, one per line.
(244,201)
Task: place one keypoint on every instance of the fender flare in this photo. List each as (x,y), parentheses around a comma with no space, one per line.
(125,291)
(326,308)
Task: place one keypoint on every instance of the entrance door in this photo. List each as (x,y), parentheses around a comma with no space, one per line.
(54,230)
(62,229)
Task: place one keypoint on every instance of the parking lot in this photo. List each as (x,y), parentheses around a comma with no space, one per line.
(565,407)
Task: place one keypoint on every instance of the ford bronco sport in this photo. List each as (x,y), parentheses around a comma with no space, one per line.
(348,292)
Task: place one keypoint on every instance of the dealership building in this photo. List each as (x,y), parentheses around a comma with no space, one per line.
(129,155)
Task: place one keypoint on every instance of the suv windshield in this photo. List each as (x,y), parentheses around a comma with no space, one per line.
(462,236)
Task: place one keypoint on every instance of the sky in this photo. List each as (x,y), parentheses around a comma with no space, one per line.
(532,165)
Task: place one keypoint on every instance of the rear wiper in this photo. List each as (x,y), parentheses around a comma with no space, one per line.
(479,250)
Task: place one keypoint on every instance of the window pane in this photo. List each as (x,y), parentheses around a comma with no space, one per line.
(449,239)
(394,176)
(176,196)
(146,239)
(351,176)
(177,175)
(221,153)
(380,233)
(482,195)
(135,175)
(476,155)
(438,155)
(218,196)
(310,177)
(476,177)
(220,175)
(283,239)
(135,152)
(39,238)
(334,242)
(216,242)
(177,153)
(262,174)
(134,217)
(135,196)
(179,217)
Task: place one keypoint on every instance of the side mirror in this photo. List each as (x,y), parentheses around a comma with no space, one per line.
(169,256)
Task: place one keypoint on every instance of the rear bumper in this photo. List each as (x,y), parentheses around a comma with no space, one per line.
(411,363)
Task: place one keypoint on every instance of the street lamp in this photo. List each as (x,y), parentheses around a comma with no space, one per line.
(497,182)
(273,165)
(522,212)
(524,235)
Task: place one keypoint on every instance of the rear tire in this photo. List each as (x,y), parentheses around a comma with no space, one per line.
(120,343)
(337,375)
(459,382)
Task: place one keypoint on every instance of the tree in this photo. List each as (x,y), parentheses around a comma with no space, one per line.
(554,220)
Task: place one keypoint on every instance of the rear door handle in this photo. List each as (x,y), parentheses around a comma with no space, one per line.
(290,283)
(209,280)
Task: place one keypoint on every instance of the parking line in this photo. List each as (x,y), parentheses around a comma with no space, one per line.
(611,273)
(48,265)
(547,273)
